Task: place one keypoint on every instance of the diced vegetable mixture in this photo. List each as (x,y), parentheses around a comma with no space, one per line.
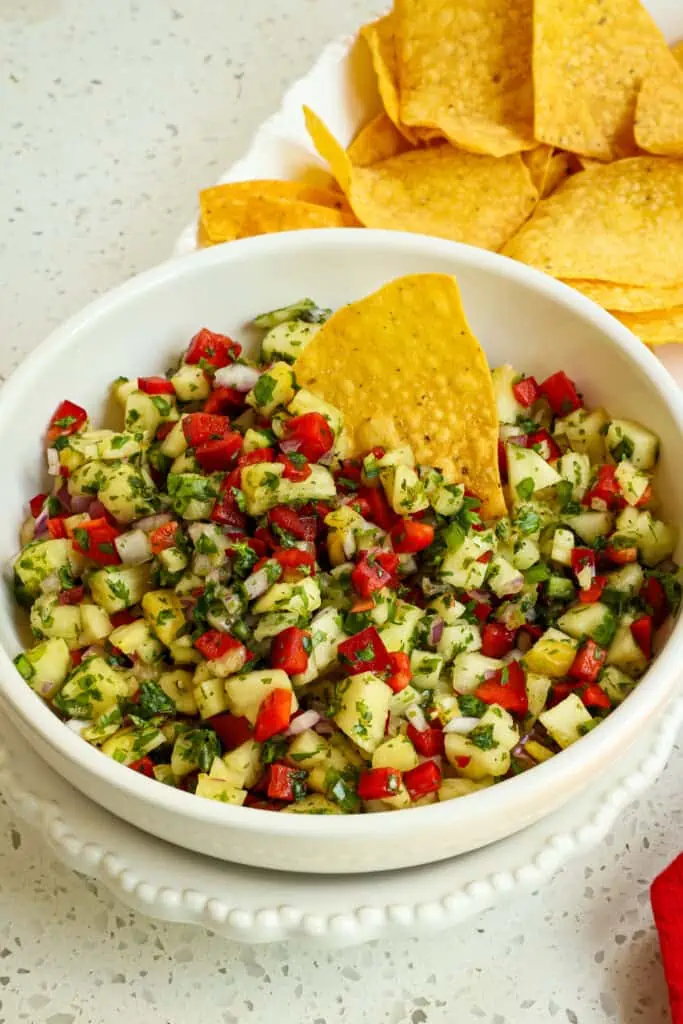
(225,601)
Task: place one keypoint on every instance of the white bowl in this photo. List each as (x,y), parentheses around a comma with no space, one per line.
(520,316)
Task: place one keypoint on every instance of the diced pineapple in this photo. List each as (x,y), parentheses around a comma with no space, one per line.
(585,432)
(117,587)
(93,688)
(95,624)
(404,490)
(552,654)
(216,789)
(210,698)
(45,666)
(191,383)
(178,685)
(397,752)
(245,762)
(567,721)
(246,693)
(164,612)
(274,387)
(363,705)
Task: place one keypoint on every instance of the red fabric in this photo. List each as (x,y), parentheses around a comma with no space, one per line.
(667,907)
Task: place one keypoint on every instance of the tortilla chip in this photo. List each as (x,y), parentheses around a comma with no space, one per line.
(379,140)
(404,362)
(548,168)
(677,50)
(620,222)
(628,298)
(211,199)
(263,215)
(465,70)
(659,111)
(660,328)
(438,191)
(590,58)
(380,37)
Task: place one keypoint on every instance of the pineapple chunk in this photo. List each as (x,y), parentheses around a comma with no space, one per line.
(163,610)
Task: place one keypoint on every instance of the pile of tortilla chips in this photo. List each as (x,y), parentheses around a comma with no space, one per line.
(550,131)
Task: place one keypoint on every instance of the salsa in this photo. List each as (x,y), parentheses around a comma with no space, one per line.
(228,601)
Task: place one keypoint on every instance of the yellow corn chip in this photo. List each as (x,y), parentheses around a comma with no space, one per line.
(620,222)
(211,198)
(548,168)
(660,328)
(437,191)
(465,70)
(378,140)
(628,298)
(677,50)
(659,111)
(379,35)
(590,58)
(404,363)
(262,215)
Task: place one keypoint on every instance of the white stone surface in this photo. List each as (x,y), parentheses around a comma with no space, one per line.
(112,114)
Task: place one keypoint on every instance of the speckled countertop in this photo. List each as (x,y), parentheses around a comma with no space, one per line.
(111,116)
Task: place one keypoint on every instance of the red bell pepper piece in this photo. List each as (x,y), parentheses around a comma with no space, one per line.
(621,555)
(582,559)
(215,456)
(485,558)
(526,391)
(593,593)
(424,779)
(36,504)
(605,492)
(213,349)
(481,609)
(541,441)
(144,766)
(56,528)
(653,594)
(361,506)
(296,466)
(95,538)
(593,696)
(273,715)
(74,595)
(226,511)
(163,430)
(155,386)
(288,519)
(295,563)
(378,783)
(76,657)
(559,691)
(507,688)
(373,572)
(200,427)
(348,476)
(67,419)
(496,640)
(282,781)
(214,645)
(502,462)
(641,631)
(399,666)
(222,401)
(561,393)
(123,618)
(429,743)
(645,498)
(163,537)
(381,513)
(364,652)
(290,649)
(409,537)
(312,433)
(588,662)
(232,730)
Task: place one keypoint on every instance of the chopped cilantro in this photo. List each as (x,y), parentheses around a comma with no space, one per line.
(482,737)
(525,488)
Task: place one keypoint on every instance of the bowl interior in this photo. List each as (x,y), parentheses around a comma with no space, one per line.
(520,317)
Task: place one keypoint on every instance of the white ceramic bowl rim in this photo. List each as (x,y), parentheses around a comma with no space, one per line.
(490,802)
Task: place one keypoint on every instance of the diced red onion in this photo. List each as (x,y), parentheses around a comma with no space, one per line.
(480,596)
(416,717)
(512,656)
(237,376)
(53,466)
(51,584)
(509,616)
(213,577)
(78,726)
(220,622)
(490,673)
(430,588)
(306,720)
(325,727)
(80,503)
(133,547)
(257,583)
(436,630)
(513,586)
(150,523)
(348,543)
(94,651)
(97,510)
(462,726)
(40,525)
(45,689)
(290,445)
(327,458)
